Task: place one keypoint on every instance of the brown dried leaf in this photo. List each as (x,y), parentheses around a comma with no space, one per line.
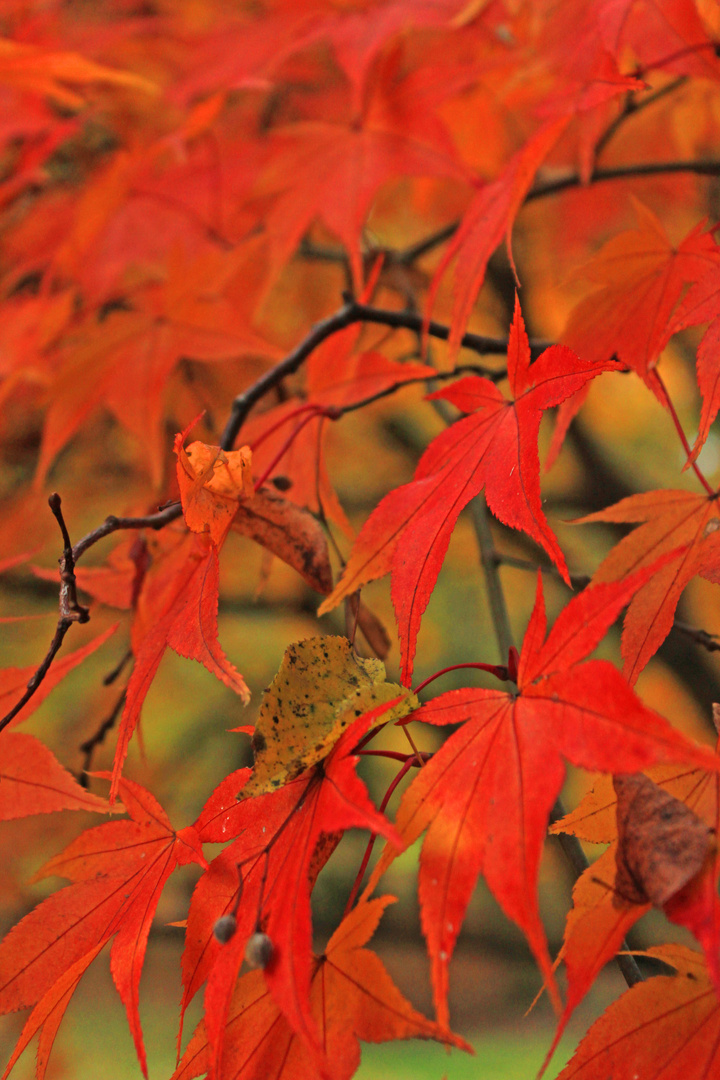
(662,844)
(288,531)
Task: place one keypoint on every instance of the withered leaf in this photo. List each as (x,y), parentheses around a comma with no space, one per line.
(288,531)
(662,844)
(321,688)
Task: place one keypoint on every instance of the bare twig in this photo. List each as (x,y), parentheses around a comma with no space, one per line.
(409,254)
(113,524)
(88,747)
(62,628)
(632,107)
(552,187)
(700,637)
(440,376)
(117,671)
(70,611)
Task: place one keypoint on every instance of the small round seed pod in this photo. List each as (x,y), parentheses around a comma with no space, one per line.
(224,928)
(259,951)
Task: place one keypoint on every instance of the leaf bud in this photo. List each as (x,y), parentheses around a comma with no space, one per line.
(224,928)
(259,951)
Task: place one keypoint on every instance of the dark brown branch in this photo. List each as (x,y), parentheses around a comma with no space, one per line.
(409,254)
(440,376)
(117,671)
(113,524)
(318,252)
(624,172)
(700,637)
(70,611)
(62,628)
(348,315)
(578,581)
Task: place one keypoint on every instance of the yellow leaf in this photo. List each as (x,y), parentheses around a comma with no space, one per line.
(321,688)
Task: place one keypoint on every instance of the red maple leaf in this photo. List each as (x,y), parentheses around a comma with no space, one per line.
(669,1024)
(271,868)
(639,277)
(486,795)
(124,362)
(496,448)
(332,170)
(118,871)
(177,608)
(351,997)
(32,781)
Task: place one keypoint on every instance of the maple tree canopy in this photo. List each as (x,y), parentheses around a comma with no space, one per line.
(298,296)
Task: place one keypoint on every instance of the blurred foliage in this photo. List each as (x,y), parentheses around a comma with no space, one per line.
(83,224)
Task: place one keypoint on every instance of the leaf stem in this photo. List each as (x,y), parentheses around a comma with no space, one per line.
(311,415)
(499,671)
(409,763)
(681,433)
(394,755)
(307,407)
(632,106)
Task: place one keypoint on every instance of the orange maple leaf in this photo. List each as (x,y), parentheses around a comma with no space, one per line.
(211,484)
(672,521)
(118,871)
(351,997)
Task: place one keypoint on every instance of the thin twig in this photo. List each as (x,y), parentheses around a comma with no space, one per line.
(703,168)
(62,628)
(578,581)
(113,524)
(117,671)
(88,747)
(70,608)
(496,596)
(439,376)
(700,637)
(632,107)
(422,247)
(71,611)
